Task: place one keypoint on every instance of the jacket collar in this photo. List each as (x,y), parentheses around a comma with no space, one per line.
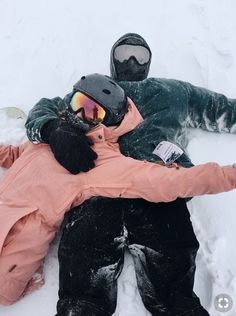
(130,121)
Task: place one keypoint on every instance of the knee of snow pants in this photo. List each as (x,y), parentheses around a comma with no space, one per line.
(88,260)
(69,306)
(164,248)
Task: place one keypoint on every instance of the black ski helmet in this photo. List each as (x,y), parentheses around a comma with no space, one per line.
(107,93)
(130,69)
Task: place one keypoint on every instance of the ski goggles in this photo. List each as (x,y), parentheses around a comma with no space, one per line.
(87,109)
(124,52)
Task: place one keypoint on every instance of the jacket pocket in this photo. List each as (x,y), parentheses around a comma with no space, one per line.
(10,215)
(16,229)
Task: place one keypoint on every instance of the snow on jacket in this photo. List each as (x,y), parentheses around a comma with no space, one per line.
(37,191)
(168,107)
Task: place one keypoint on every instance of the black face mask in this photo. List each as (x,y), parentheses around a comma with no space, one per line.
(131,70)
(124,65)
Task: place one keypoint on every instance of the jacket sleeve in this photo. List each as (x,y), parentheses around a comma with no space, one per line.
(156,183)
(162,184)
(9,153)
(44,111)
(210,111)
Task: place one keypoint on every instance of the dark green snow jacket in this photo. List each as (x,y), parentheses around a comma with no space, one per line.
(168,108)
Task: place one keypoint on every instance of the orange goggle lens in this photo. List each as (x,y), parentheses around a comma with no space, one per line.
(87,108)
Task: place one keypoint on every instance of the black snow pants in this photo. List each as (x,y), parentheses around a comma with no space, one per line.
(159,237)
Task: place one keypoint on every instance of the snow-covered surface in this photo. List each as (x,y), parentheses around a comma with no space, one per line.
(46,46)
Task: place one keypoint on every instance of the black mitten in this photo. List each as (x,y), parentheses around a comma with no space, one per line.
(70,146)
(48,128)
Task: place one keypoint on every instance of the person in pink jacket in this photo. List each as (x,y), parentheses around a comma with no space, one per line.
(36,191)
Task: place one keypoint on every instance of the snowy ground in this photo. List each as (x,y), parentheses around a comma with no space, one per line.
(45,48)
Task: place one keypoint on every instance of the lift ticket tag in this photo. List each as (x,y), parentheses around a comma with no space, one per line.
(168,152)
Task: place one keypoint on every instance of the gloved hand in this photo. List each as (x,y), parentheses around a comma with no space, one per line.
(70,146)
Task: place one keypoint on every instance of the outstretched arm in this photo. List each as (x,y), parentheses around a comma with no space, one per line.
(209,178)
(141,179)
(210,111)
(8,154)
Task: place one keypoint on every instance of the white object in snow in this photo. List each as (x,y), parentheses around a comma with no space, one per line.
(13,112)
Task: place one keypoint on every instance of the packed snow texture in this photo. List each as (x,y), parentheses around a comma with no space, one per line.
(46,46)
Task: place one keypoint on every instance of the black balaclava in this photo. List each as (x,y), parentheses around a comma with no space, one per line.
(130,69)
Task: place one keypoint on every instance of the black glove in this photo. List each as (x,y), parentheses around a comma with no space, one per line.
(70,146)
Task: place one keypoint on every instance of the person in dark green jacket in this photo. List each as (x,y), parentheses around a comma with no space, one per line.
(160,236)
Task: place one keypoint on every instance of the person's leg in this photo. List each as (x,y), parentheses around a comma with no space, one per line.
(88,259)
(166,257)
(171,276)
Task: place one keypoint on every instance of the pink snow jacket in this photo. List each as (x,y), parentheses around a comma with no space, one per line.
(36,192)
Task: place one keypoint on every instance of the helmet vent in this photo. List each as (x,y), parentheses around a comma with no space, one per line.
(113,83)
(106,91)
(83,77)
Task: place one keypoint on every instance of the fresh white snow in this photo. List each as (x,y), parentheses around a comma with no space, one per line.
(46,46)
